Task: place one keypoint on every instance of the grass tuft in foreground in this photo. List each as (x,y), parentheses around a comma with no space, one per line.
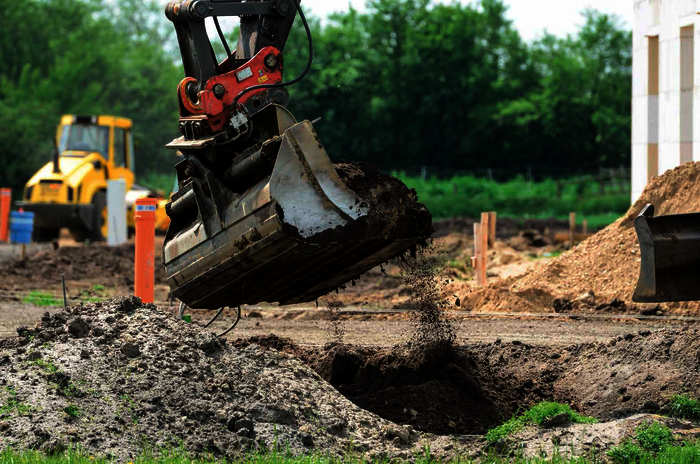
(654,443)
(684,407)
(536,415)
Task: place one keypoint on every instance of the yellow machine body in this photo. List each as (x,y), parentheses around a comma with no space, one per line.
(70,190)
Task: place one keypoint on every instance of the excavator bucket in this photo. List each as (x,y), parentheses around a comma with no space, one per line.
(295,235)
(670,247)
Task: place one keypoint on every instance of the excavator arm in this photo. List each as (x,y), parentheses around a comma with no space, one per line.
(261,214)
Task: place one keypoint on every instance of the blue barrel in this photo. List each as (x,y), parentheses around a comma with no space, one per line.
(21,226)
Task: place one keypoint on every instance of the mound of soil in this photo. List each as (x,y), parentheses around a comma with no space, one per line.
(605,265)
(119,376)
(114,265)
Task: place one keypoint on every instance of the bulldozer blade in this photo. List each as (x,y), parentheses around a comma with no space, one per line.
(291,238)
(670,248)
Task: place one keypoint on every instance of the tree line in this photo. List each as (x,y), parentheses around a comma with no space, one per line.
(405,84)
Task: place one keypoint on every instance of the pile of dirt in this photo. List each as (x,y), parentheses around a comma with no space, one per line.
(94,262)
(605,265)
(119,376)
(477,386)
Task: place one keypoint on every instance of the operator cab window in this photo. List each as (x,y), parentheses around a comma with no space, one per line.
(85,138)
(119,147)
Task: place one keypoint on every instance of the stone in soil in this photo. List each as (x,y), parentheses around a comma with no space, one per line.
(148,379)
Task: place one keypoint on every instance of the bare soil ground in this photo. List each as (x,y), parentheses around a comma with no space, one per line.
(107,376)
(476,385)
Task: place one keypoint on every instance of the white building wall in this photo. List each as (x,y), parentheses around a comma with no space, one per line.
(671,119)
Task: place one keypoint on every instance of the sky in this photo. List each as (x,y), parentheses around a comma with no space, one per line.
(530,17)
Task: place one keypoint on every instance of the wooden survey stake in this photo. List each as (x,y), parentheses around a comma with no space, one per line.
(480,248)
(492,229)
(572,229)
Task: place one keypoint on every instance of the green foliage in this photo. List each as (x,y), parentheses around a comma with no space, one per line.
(47,366)
(547,409)
(468,196)
(39,298)
(407,83)
(73,411)
(685,407)
(653,443)
(161,182)
(12,405)
(536,415)
(654,437)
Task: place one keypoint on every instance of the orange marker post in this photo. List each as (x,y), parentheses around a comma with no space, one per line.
(5,206)
(144,276)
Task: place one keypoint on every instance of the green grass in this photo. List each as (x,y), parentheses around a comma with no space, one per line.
(39,298)
(469,196)
(13,406)
(182,457)
(73,411)
(536,415)
(688,453)
(685,407)
(654,443)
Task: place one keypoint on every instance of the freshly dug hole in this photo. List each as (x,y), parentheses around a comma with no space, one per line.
(479,386)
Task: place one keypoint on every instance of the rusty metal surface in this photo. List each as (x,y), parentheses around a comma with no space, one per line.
(670,248)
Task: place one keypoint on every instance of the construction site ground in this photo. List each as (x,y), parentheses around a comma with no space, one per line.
(552,324)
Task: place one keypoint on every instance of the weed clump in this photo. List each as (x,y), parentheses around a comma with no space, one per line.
(684,407)
(13,405)
(537,415)
(653,442)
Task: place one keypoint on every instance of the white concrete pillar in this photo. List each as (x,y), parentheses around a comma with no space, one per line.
(116,212)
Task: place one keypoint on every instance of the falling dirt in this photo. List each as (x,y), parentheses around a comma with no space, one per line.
(602,268)
(422,274)
(336,327)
